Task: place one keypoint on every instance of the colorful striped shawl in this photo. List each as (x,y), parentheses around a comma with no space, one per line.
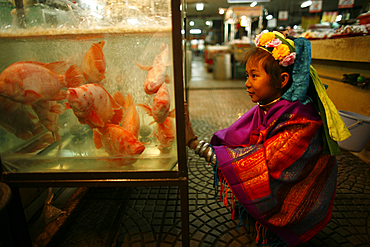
(274,166)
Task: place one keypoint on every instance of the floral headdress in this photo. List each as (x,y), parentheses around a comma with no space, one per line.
(278,46)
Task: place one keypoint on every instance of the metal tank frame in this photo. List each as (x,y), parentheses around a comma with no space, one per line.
(114,179)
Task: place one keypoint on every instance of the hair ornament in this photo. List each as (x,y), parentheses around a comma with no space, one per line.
(278,46)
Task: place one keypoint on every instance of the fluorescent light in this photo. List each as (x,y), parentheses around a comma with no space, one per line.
(191,23)
(195,31)
(199,6)
(253,4)
(306,4)
(221,11)
(269,17)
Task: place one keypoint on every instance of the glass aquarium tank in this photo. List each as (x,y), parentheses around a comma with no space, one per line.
(88,86)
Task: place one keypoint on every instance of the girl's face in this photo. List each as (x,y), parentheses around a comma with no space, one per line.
(258,84)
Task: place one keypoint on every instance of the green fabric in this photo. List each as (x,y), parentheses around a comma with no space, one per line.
(336,127)
(330,146)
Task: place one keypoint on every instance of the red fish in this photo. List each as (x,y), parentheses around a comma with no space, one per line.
(161,105)
(17,119)
(131,118)
(118,142)
(157,72)
(165,133)
(29,82)
(93,105)
(48,113)
(94,64)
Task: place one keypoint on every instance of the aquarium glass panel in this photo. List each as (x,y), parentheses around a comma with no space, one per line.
(86,86)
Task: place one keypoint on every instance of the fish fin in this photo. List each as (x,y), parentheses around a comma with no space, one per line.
(57,67)
(30,115)
(57,108)
(97,139)
(31,96)
(118,97)
(86,76)
(56,136)
(151,123)
(61,95)
(167,79)
(129,100)
(11,107)
(95,119)
(117,117)
(74,76)
(172,113)
(146,108)
(68,106)
(143,67)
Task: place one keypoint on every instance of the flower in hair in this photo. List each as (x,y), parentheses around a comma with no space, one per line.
(279,47)
(288,60)
(266,38)
(280,52)
(274,43)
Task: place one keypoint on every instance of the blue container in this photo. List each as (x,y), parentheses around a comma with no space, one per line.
(359,126)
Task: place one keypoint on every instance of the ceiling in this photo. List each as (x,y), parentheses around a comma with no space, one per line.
(293,6)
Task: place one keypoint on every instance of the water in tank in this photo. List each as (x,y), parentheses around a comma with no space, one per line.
(86,85)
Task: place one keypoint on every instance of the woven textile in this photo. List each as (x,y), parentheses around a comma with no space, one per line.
(274,165)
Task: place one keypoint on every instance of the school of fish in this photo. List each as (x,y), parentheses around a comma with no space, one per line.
(33,95)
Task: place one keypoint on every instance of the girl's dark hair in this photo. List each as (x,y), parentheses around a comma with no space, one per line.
(270,65)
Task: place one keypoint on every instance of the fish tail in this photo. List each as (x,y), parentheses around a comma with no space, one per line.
(172,113)
(143,67)
(118,97)
(97,139)
(117,117)
(74,76)
(146,108)
(57,108)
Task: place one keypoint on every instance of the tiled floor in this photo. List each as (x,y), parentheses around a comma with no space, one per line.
(150,216)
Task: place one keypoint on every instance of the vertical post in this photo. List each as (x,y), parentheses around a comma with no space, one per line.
(184,197)
(17,221)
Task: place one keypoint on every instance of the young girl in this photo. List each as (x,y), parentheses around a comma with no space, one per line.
(278,158)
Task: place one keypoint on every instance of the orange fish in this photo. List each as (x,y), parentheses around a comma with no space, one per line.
(29,82)
(16,119)
(165,133)
(48,113)
(94,64)
(160,107)
(117,141)
(156,72)
(131,119)
(93,105)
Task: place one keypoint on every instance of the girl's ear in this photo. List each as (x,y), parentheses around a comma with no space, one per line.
(284,79)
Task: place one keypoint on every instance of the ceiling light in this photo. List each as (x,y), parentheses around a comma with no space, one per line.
(191,23)
(199,6)
(195,31)
(221,11)
(269,17)
(253,4)
(208,23)
(306,4)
